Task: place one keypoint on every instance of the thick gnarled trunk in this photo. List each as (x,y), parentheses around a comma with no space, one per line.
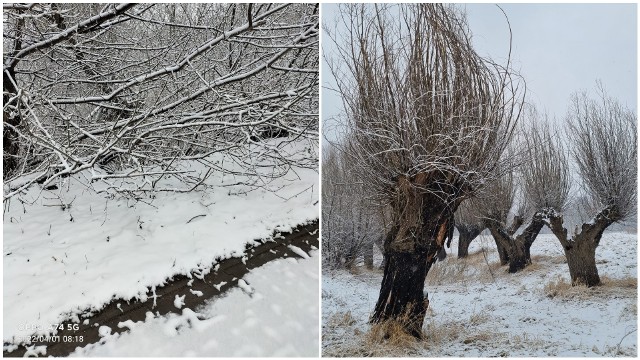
(420,230)
(581,259)
(518,249)
(502,252)
(402,295)
(580,249)
(467,235)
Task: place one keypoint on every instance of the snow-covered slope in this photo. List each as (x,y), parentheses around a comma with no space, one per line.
(71,249)
(278,316)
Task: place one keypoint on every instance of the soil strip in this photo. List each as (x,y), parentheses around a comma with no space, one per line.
(227,272)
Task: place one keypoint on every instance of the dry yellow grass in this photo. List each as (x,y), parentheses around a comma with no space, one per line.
(626,282)
(478,318)
(390,333)
(341,319)
(470,270)
(562,288)
(388,339)
(548,259)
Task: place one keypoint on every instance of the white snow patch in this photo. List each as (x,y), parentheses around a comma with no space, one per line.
(104,330)
(245,287)
(298,251)
(220,285)
(281,323)
(179,301)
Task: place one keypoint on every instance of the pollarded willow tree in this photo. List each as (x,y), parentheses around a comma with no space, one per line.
(603,136)
(544,184)
(469,223)
(429,121)
(129,91)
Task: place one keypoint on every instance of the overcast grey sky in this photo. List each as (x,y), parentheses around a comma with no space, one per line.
(558,48)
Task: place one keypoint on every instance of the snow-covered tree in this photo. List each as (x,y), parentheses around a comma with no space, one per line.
(603,135)
(128,91)
(349,224)
(429,121)
(544,183)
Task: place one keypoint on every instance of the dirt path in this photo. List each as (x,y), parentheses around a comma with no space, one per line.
(228,271)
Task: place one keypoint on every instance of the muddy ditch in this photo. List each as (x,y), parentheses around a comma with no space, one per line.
(227,271)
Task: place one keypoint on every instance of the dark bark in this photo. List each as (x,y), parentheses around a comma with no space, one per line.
(580,250)
(518,249)
(402,291)
(419,232)
(441,255)
(502,252)
(581,259)
(467,234)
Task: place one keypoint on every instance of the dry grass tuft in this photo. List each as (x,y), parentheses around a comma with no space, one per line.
(481,337)
(535,266)
(388,339)
(548,259)
(391,333)
(478,318)
(341,319)
(437,333)
(626,282)
(470,270)
(562,288)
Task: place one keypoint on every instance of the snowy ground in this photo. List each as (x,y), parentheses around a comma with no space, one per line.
(477,309)
(70,249)
(275,315)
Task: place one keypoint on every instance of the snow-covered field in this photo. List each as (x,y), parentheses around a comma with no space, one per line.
(275,315)
(477,309)
(69,250)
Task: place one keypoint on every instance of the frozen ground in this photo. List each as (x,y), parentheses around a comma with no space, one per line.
(274,314)
(70,249)
(477,309)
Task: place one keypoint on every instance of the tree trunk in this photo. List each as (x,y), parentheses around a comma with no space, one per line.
(581,258)
(421,226)
(402,291)
(368,255)
(581,249)
(518,255)
(467,235)
(379,242)
(518,249)
(502,252)
(442,254)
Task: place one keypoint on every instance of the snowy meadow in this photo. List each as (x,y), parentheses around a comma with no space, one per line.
(476,308)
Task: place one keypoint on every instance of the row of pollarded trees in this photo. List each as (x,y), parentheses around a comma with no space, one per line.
(603,143)
(431,125)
